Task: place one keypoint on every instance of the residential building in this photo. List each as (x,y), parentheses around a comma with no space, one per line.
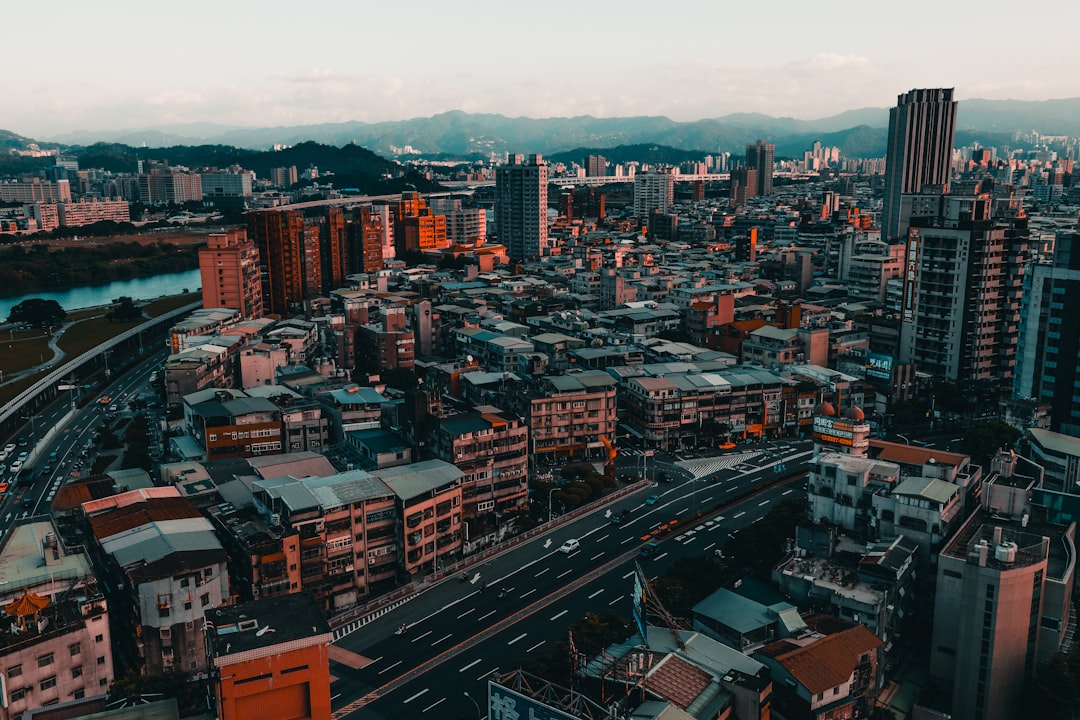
(653,192)
(162,568)
(270,658)
(567,414)
(491,448)
(279,237)
(85,212)
(416,226)
(1048,357)
(35,190)
(922,128)
(595,166)
(831,672)
(232,424)
(233,182)
(521,206)
(55,643)
(229,267)
(963,285)
(364,241)
(1059,456)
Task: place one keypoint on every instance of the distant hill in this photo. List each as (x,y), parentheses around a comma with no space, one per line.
(470,136)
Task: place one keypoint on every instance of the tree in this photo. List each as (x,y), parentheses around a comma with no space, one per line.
(985,439)
(37,312)
(124,309)
(401,378)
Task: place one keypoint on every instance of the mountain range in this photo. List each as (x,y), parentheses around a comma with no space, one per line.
(456,134)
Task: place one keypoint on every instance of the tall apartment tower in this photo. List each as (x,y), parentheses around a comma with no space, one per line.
(963,281)
(595,166)
(416,226)
(521,206)
(364,241)
(1048,360)
(922,128)
(759,156)
(229,266)
(279,236)
(653,191)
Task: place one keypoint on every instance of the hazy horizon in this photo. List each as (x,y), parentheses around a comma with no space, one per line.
(121,65)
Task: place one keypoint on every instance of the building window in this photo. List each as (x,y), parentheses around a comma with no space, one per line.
(103,682)
(187,604)
(79,694)
(184,582)
(205,599)
(75,649)
(99,638)
(101,660)
(17,695)
(163,612)
(45,660)
(76,672)
(49,682)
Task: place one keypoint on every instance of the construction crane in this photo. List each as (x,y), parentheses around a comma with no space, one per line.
(609,464)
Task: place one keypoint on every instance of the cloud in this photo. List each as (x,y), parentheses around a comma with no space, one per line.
(828,62)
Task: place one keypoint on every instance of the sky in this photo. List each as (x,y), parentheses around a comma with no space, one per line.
(127,64)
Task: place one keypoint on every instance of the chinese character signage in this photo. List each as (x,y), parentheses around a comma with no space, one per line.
(911,271)
(506,704)
(879,369)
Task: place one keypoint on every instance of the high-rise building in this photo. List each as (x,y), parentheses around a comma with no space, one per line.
(521,188)
(759,156)
(963,278)
(744,182)
(922,128)
(229,267)
(364,241)
(653,191)
(1048,359)
(299,257)
(595,166)
(416,226)
(279,236)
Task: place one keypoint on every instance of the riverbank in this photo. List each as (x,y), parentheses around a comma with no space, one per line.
(26,356)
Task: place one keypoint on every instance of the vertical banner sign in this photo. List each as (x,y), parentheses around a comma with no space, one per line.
(639,611)
(911,271)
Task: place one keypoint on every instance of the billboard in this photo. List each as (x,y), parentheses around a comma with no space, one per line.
(833,430)
(911,272)
(506,704)
(639,604)
(879,369)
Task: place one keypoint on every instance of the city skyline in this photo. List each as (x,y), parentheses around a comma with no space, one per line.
(368,63)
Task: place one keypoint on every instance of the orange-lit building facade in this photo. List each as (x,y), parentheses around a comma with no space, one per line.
(270,659)
(279,236)
(229,267)
(364,241)
(416,227)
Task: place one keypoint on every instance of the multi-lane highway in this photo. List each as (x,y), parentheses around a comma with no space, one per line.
(458,634)
(57,437)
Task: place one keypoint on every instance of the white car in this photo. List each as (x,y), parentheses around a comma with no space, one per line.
(16,467)
(9,447)
(4,454)
(570,546)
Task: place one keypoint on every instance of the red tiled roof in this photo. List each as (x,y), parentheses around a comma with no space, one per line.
(73,495)
(830,661)
(913,454)
(125,518)
(678,681)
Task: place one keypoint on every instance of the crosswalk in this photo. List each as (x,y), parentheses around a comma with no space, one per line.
(700,468)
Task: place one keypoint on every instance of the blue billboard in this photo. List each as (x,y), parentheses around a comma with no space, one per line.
(506,704)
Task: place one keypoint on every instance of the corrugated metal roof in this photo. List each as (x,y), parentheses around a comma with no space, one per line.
(930,488)
(409,481)
(151,542)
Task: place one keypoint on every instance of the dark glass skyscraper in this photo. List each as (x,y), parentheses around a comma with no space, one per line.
(922,128)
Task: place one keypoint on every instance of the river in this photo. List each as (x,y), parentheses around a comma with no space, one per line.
(95,295)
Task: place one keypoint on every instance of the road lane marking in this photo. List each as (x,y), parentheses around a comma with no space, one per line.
(560,615)
(519,637)
(541,572)
(474,662)
(709,547)
(685,509)
(470,610)
(533,647)
(628,574)
(596,593)
(594,557)
(763,503)
(661,556)
(738,515)
(415,696)
(434,704)
(528,593)
(562,575)
(421,637)
(616,600)
(440,640)
(605,537)
(629,539)
(488,673)
(486,616)
(689,540)
(386,669)
(786,491)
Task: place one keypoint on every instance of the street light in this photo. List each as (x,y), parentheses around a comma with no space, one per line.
(550,515)
(904,438)
(479,716)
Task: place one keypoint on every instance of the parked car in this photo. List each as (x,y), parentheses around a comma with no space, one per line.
(570,546)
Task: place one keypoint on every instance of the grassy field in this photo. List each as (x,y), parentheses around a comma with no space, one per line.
(27,348)
(174,237)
